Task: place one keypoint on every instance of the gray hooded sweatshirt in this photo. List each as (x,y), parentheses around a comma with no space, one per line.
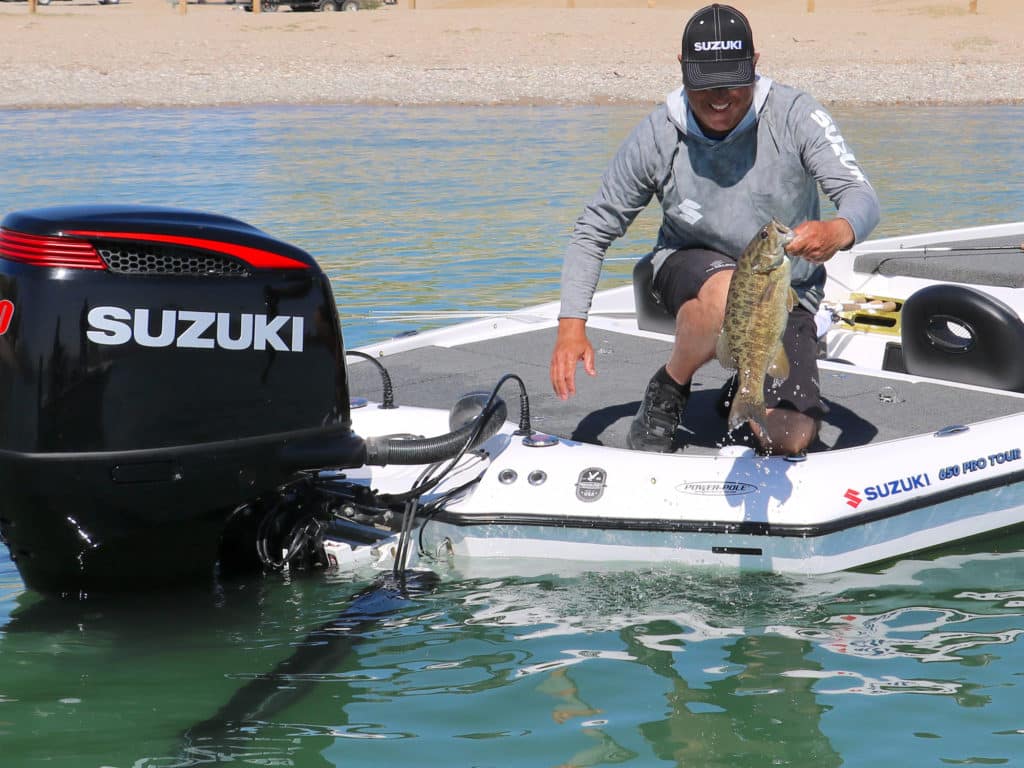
(717,194)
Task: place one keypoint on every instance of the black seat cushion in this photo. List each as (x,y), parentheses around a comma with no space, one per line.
(651,314)
(961,334)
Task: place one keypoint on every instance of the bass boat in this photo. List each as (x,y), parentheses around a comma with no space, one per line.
(179,400)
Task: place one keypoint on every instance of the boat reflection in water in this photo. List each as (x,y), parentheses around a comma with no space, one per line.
(323,672)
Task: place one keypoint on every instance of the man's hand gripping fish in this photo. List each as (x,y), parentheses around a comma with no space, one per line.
(756,313)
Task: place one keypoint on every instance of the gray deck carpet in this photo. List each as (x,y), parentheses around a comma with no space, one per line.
(862,409)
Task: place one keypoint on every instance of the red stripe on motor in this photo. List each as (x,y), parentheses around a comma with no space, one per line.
(43,251)
(255,257)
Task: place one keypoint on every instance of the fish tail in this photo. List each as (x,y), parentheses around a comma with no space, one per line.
(746,409)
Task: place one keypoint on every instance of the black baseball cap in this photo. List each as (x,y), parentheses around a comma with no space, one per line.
(718,49)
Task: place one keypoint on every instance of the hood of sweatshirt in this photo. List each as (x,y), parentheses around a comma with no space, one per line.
(679,110)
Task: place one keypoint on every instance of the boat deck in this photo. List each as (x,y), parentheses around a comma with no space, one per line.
(990,261)
(863,408)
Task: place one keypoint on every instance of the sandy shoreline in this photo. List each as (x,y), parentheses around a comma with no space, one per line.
(144,53)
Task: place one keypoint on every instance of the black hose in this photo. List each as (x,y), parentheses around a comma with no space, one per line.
(388,395)
(381,451)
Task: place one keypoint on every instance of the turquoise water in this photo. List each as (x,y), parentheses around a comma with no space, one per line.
(917,661)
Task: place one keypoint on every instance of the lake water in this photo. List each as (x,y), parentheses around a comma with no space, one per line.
(916,662)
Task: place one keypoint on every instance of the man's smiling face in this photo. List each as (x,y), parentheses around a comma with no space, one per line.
(719,110)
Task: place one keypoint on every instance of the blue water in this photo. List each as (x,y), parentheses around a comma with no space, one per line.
(916,662)
(456,207)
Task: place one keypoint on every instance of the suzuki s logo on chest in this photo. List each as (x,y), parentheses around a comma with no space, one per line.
(189,329)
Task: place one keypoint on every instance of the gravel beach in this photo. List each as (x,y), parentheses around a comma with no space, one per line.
(147,53)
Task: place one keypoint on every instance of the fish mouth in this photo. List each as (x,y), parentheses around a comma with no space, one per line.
(785,234)
(772,240)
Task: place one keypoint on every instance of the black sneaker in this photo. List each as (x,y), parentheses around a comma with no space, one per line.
(654,427)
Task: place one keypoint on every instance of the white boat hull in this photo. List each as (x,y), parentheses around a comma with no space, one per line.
(582,502)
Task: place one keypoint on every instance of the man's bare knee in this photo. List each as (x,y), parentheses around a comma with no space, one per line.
(789,432)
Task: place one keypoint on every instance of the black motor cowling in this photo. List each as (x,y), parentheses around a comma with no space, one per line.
(157,366)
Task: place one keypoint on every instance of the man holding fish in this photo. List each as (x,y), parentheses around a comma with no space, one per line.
(736,161)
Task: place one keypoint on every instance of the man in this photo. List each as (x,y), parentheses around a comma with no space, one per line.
(724,154)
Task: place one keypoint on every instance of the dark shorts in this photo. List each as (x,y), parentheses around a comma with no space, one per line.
(684,273)
(680,279)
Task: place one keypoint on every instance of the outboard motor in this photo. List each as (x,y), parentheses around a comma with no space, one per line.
(157,369)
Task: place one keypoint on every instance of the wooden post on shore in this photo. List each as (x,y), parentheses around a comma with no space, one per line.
(972,7)
(31,6)
(412,5)
(257,6)
(182,7)
(810,6)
